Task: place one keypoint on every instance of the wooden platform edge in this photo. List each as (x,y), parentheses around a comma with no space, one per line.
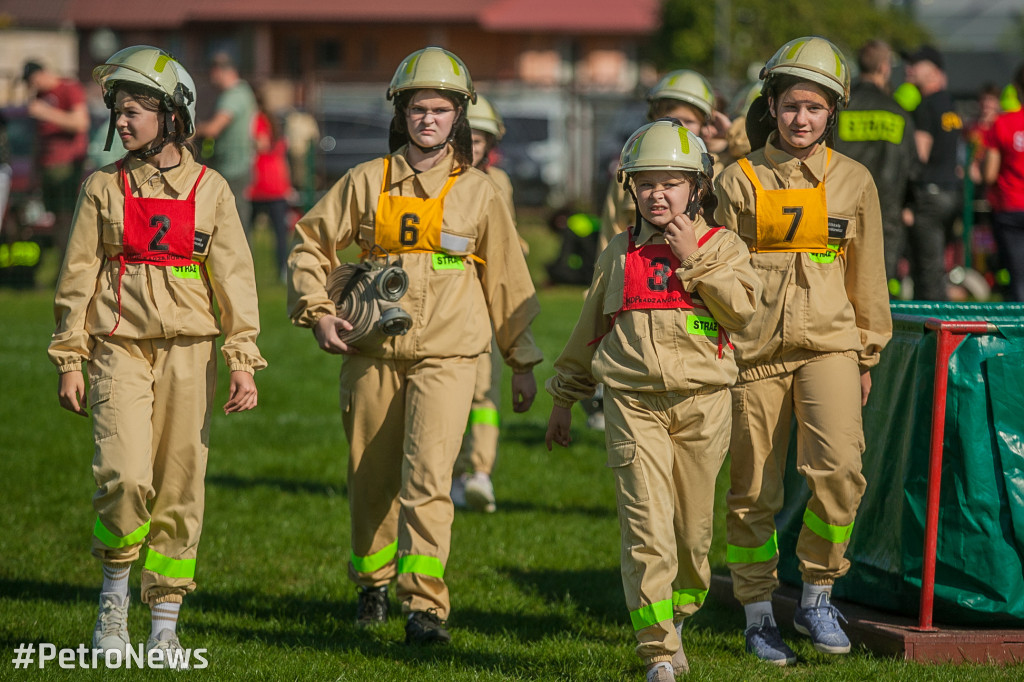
(887,634)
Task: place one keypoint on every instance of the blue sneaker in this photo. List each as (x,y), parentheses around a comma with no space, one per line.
(765,642)
(821,624)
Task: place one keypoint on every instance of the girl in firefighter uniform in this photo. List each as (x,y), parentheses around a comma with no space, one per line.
(405,398)
(655,330)
(811,219)
(155,240)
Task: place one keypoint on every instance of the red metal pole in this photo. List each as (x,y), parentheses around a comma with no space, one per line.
(950,335)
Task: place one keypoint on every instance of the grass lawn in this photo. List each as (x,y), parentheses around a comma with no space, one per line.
(535,587)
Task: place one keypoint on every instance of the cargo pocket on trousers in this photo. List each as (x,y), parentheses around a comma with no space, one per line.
(104,419)
(630,482)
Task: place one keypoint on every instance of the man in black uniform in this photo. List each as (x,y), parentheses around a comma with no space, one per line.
(877,132)
(936,191)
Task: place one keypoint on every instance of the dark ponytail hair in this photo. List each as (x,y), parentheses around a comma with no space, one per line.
(461,136)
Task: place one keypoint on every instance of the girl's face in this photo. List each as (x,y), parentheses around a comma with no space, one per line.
(479,147)
(691,117)
(661,195)
(429,118)
(137,126)
(802,113)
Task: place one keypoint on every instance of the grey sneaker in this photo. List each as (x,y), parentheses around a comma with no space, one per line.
(821,624)
(661,672)
(111,630)
(372,608)
(173,655)
(480,493)
(765,642)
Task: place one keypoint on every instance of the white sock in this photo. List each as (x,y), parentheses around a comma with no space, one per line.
(115,580)
(756,611)
(809,597)
(165,617)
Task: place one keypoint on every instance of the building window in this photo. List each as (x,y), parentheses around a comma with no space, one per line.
(327,54)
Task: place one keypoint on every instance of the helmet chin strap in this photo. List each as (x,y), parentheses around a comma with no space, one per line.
(428,150)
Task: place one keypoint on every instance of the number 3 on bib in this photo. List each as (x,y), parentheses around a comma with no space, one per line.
(410,232)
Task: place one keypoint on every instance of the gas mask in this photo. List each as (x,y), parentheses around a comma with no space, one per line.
(367,295)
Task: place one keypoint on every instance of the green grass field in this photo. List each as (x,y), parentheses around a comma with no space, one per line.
(535,587)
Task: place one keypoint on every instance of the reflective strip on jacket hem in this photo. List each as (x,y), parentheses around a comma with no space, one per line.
(116,541)
(688,596)
(646,616)
(834,534)
(375,561)
(166,566)
(484,415)
(753,555)
(424,565)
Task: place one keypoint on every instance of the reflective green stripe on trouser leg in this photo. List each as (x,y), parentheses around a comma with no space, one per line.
(753,555)
(826,531)
(171,568)
(484,415)
(424,565)
(110,540)
(652,614)
(375,561)
(688,596)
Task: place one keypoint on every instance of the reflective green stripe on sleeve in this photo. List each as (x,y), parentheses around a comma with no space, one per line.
(116,541)
(424,565)
(834,534)
(376,561)
(484,415)
(646,616)
(688,596)
(166,566)
(753,555)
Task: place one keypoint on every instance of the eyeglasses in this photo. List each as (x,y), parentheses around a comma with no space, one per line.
(420,112)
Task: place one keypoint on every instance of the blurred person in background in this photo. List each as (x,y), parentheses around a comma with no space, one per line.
(936,190)
(227,136)
(155,244)
(877,132)
(989,108)
(472,485)
(62,114)
(406,392)
(271,181)
(1003,170)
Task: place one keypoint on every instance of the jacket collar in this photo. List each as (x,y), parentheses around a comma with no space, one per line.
(179,179)
(788,165)
(431,180)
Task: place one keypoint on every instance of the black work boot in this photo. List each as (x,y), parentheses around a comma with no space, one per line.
(373,606)
(424,627)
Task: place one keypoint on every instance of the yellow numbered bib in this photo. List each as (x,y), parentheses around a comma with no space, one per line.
(409,224)
(789,220)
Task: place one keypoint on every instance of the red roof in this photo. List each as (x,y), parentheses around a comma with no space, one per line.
(571,16)
(614,17)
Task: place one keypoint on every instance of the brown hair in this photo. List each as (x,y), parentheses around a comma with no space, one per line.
(461,137)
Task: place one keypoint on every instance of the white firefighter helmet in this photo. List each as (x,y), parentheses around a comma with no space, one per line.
(686,86)
(155,70)
(664,145)
(482,116)
(814,59)
(432,68)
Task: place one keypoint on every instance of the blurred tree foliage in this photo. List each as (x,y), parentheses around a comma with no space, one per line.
(757,28)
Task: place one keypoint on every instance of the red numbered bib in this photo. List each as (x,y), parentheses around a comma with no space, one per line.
(650,278)
(156,232)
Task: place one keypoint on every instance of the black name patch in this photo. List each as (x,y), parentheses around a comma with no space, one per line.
(837,227)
